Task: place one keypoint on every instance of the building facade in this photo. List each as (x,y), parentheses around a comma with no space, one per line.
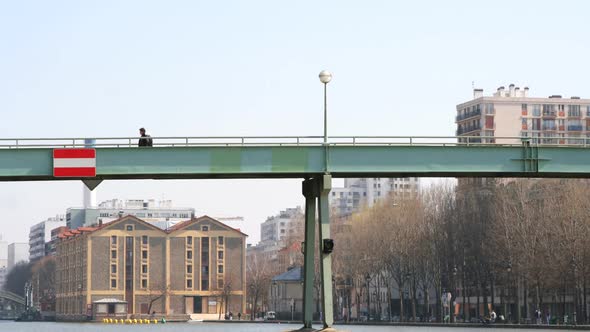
(512,113)
(161,214)
(17,252)
(195,268)
(359,192)
(40,235)
(276,228)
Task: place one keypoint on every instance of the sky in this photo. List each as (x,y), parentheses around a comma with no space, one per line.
(215,68)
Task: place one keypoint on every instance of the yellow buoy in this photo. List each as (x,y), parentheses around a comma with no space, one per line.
(155,321)
(134,320)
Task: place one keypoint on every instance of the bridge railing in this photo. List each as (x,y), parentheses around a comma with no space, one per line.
(184,141)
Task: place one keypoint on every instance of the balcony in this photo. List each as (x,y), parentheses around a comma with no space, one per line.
(468,115)
(575,128)
(467,129)
(549,114)
(549,127)
(574,114)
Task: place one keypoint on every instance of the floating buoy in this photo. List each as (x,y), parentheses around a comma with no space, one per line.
(134,320)
(155,321)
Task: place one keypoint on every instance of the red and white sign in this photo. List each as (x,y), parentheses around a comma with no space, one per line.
(74,162)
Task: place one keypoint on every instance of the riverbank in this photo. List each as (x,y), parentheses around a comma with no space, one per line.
(409,324)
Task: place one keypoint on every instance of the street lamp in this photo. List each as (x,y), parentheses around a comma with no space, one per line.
(368,279)
(325,77)
(251,301)
(276,295)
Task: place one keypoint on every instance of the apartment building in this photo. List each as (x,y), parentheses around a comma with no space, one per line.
(359,192)
(40,235)
(161,214)
(122,267)
(512,113)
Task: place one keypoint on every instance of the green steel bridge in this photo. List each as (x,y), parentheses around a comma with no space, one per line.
(308,158)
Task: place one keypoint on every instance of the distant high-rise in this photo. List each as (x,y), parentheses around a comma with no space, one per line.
(17,252)
(512,113)
(276,228)
(40,235)
(358,192)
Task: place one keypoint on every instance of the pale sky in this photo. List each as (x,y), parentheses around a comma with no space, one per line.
(211,68)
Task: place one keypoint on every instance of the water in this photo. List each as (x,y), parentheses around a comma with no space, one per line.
(9,326)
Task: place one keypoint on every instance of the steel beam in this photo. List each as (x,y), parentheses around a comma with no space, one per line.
(210,162)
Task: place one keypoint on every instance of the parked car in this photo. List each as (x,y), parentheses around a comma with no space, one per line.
(271,315)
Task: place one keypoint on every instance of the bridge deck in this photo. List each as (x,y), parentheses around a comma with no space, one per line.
(298,157)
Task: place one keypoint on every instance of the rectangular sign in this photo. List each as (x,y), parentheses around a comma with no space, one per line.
(74,163)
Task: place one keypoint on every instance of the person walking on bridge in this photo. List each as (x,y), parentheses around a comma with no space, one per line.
(145,139)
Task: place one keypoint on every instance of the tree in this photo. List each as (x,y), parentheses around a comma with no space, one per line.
(17,277)
(43,280)
(155,293)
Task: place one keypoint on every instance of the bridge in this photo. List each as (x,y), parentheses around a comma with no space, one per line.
(11,305)
(308,158)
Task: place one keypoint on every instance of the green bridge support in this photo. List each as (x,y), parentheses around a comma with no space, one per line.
(316,191)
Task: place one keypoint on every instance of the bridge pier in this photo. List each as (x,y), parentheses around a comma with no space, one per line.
(316,191)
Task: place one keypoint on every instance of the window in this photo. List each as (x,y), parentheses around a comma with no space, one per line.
(113,283)
(189,254)
(189,269)
(189,240)
(113,239)
(220,240)
(220,269)
(113,268)
(220,255)
(219,283)
(143,268)
(113,254)
(537,110)
(144,239)
(204,285)
(189,283)
(129,228)
(143,283)
(205,269)
(205,228)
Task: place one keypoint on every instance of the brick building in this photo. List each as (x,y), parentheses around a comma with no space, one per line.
(195,268)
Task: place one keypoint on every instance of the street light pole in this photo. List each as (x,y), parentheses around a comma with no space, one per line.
(325,77)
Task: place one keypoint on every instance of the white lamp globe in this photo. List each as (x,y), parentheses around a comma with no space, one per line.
(325,76)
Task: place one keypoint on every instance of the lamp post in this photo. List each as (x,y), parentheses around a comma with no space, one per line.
(368,279)
(276,294)
(252,302)
(325,77)
(454,296)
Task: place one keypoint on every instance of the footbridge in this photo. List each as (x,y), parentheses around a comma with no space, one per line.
(308,158)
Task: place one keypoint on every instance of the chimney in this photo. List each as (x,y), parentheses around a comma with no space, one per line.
(526,91)
(99,222)
(501,91)
(511,90)
(517,92)
(477,93)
